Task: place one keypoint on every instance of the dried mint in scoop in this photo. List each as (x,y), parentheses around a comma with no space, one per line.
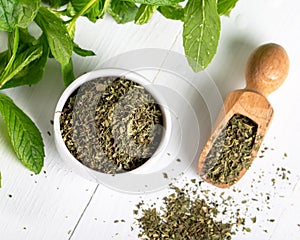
(231,151)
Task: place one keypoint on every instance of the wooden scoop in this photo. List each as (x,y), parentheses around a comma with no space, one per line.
(266,70)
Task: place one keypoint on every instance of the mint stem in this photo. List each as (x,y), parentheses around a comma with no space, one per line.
(83,11)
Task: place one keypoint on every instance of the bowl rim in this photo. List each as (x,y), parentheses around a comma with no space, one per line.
(82,169)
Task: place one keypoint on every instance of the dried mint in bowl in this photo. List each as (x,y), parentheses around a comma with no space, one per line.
(112,124)
(231,151)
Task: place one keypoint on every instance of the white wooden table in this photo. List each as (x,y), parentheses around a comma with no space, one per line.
(58,204)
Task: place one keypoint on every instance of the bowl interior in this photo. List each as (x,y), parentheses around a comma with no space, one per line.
(72,161)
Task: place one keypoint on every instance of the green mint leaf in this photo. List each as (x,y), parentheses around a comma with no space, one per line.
(94,12)
(19,13)
(82,52)
(201,32)
(25,137)
(157,2)
(55,3)
(60,43)
(122,11)
(26,37)
(225,6)
(68,73)
(24,41)
(19,63)
(172,12)
(34,71)
(144,13)
(13,45)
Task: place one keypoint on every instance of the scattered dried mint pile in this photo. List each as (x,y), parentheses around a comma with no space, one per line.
(231,151)
(197,211)
(112,124)
(184,216)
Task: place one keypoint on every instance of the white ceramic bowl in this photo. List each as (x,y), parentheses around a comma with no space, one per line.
(71,162)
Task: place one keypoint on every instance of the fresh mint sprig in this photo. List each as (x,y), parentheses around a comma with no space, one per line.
(24,60)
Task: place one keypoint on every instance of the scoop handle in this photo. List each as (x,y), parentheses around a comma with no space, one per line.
(266,69)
